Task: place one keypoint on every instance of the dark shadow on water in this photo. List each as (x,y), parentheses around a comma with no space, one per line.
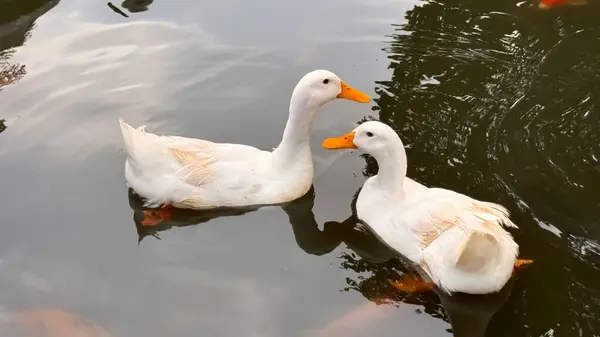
(503,104)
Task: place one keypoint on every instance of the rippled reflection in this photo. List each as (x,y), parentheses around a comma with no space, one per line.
(10,73)
(502,104)
(17,19)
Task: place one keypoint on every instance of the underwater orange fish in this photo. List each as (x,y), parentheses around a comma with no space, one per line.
(546,4)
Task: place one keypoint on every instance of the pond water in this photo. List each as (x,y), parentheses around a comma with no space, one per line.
(497,100)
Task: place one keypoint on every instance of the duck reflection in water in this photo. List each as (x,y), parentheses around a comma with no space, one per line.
(136,6)
(306,230)
(469,315)
(133,6)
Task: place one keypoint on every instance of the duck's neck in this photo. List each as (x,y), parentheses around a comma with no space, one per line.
(294,148)
(392,169)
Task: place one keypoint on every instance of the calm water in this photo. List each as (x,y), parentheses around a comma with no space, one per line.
(495,99)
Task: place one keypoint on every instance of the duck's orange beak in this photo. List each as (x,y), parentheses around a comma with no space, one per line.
(352,94)
(344,142)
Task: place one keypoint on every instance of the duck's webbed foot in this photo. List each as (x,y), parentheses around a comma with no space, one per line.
(519,264)
(153,217)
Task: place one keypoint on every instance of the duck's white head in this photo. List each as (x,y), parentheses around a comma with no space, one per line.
(321,86)
(371,137)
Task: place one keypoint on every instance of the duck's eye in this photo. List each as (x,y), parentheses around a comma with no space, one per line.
(369,134)
(325,81)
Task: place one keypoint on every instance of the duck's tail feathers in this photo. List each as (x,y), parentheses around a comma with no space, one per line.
(129,133)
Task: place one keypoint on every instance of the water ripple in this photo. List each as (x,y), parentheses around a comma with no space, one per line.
(511,117)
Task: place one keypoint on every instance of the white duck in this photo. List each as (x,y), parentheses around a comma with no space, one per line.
(458,242)
(199,174)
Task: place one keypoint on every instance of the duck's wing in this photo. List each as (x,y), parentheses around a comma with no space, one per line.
(437,210)
(189,169)
(194,161)
(459,235)
(221,174)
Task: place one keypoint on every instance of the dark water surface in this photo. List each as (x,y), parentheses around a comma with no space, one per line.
(494,98)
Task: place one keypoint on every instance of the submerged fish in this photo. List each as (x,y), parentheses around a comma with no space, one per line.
(547,4)
(51,322)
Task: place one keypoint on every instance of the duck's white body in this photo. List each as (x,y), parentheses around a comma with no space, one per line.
(199,174)
(457,241)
